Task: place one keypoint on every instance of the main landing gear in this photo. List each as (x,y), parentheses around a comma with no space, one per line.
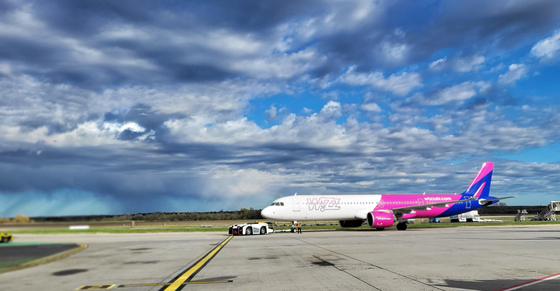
(401,226)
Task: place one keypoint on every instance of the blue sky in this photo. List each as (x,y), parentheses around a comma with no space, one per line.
(110,107)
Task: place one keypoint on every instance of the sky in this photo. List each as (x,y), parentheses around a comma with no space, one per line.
(113,107)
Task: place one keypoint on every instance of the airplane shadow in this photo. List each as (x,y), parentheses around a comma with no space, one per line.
(498,284)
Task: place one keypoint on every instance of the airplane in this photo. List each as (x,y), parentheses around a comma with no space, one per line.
(382,211)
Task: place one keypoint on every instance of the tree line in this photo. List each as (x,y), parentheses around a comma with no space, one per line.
(502,209)
(242,214)
(19,218)
(252,214)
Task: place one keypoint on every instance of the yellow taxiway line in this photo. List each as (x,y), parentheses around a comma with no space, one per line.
(182,280)
(191,271)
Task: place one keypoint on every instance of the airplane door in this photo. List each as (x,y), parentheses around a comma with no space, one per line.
(295,202)
(468,205)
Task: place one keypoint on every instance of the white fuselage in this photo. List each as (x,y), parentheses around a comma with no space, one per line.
(321,207)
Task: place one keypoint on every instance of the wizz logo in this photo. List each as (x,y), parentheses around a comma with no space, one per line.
(323,203)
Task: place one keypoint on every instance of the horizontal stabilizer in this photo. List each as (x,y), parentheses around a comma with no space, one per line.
(485,201)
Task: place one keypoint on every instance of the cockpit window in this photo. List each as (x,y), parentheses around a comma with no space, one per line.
(277,204)
(273,204)
(281,203)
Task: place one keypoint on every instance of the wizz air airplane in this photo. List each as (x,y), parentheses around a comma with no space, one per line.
(381,211)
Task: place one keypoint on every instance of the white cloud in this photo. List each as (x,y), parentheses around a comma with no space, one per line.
(281,65)
(91,133)
(400,84)
(439,65)
(331,111)
(394,53)
(455,94)
(548,48)
(332,95)
(468,64)
(271,113)
(515,72)
(371,107)
(458,64)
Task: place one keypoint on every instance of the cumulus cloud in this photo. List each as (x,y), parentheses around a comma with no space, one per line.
(514,73)
(274,114)
(372,107)
(400,84)
(455,94)
(548,48)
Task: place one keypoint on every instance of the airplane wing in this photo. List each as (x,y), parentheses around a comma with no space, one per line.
(427,206)
(485,201)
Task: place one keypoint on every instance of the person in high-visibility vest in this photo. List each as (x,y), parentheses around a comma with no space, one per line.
(298,227)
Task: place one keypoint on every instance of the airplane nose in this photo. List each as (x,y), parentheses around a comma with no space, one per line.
(266,212)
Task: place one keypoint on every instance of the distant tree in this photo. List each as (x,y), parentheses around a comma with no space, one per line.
(20,218)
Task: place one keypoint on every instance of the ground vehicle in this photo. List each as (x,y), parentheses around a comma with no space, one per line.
(458,218)
(251,228)
(471,216)
(5,237)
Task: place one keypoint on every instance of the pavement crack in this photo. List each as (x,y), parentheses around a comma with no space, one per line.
(327,263)
(367,263)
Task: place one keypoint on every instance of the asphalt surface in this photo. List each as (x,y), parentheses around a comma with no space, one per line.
(463,258)
(15,254)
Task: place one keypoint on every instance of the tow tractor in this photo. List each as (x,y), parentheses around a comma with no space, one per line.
(5,237)
(250,228)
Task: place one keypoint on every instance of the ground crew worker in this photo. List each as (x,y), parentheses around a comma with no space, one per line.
(298,227)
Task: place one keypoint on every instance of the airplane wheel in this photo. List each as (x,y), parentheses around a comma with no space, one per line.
(263,230)
(401,226)
(249,231)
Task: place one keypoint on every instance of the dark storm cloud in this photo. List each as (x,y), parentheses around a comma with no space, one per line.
(429,27)
(82,23)
(370,42)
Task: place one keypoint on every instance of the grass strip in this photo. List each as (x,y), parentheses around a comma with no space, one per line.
(147,229)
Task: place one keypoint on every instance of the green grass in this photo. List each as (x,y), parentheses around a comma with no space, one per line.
(113,230)
(222,226)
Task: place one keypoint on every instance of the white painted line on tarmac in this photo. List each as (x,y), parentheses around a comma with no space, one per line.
(533,282)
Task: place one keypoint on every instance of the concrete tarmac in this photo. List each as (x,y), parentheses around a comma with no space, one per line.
(461,258)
